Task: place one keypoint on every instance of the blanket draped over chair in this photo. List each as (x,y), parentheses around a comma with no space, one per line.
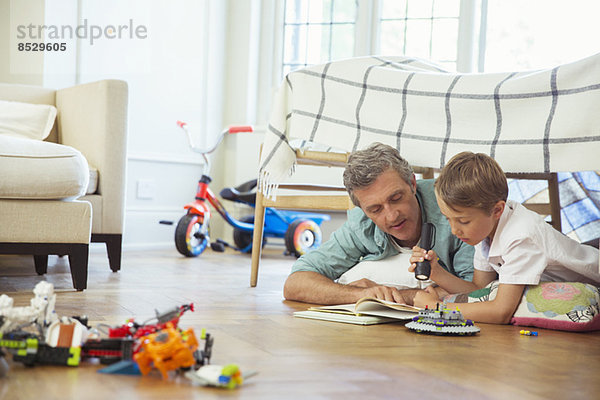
(531,121)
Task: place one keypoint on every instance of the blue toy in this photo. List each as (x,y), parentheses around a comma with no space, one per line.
(300,230)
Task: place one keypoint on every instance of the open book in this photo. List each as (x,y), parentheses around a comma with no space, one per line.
(366,311)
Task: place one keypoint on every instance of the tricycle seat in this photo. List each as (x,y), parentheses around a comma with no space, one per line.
(244,193)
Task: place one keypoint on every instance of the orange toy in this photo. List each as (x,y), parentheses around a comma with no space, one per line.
(167,350)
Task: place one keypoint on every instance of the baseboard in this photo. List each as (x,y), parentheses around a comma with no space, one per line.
(149,246)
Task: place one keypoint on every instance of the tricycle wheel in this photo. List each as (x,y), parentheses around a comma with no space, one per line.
(243,239)
(302,236)
(191,236)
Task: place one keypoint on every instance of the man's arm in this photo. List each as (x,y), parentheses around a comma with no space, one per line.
(462,261)
(312,287)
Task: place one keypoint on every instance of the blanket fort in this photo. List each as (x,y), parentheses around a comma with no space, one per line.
(531,121)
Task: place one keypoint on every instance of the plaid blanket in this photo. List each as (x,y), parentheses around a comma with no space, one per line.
(579,200)
(533,121)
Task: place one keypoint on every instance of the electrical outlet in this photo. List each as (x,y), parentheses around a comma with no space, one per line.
(146,189)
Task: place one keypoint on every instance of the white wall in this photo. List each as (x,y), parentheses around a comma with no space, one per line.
(15,66)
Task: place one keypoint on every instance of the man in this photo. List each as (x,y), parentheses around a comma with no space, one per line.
(390,208)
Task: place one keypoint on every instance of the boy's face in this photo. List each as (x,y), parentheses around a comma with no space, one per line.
(471,225)
(391,204)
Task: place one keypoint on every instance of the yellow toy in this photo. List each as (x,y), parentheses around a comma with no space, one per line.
(167,350)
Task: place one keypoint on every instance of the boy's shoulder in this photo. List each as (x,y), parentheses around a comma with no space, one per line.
(518,222)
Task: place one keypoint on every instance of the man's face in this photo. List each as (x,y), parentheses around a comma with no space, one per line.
(391,203)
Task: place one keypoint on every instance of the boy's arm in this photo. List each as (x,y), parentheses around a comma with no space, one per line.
(445,279)
(497,311)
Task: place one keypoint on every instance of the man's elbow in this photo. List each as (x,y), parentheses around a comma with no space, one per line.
(289,288)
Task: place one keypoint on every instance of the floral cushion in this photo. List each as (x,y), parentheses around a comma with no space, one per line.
(567,306)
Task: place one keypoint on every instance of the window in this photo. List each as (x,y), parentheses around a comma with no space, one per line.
(317,31)
(426,29)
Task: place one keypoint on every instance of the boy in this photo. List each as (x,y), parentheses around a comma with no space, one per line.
(512,244)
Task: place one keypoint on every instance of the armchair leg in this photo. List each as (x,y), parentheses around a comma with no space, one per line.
(78,262)
(41,263)
(77,252)
(114,245)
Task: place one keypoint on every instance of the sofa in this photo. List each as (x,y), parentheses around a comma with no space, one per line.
(62,167)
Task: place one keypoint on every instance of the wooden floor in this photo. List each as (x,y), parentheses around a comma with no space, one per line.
(294,358)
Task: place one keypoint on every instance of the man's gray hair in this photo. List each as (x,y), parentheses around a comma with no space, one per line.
(365,166)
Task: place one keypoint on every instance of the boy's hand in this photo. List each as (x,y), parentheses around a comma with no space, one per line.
(420,255)
(427,297)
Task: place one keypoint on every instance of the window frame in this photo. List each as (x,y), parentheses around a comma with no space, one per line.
(470,47)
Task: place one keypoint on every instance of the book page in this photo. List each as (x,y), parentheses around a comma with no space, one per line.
(373,303)
(372,306)
(342,308)
(346,318)
(383,310)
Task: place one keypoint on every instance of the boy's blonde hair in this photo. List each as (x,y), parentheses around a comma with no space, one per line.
(472,180)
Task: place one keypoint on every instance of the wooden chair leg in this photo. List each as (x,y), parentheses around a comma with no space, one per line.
(554,198)
(78,262)
(257,237)
(41,263)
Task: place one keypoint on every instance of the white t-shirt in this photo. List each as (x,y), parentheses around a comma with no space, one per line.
(526,250)
(392,271)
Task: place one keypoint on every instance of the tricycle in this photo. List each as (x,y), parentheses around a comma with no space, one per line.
(300,230)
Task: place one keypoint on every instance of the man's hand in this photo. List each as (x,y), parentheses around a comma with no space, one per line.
(427,297)
(363,283)
(312,287)
(386,293)
(407,295)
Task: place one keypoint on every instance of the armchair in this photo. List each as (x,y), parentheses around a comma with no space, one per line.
(91,119)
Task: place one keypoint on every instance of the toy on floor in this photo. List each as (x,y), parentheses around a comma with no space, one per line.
(442,322)
(228,376)
(528,333)
(35,335)
(40,312)
(167,350)
(136,330)
(109,350)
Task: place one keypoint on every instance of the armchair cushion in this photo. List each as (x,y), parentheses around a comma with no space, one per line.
(34,169)
(34,121)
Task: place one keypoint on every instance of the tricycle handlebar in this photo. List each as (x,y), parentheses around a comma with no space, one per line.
(231,129)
